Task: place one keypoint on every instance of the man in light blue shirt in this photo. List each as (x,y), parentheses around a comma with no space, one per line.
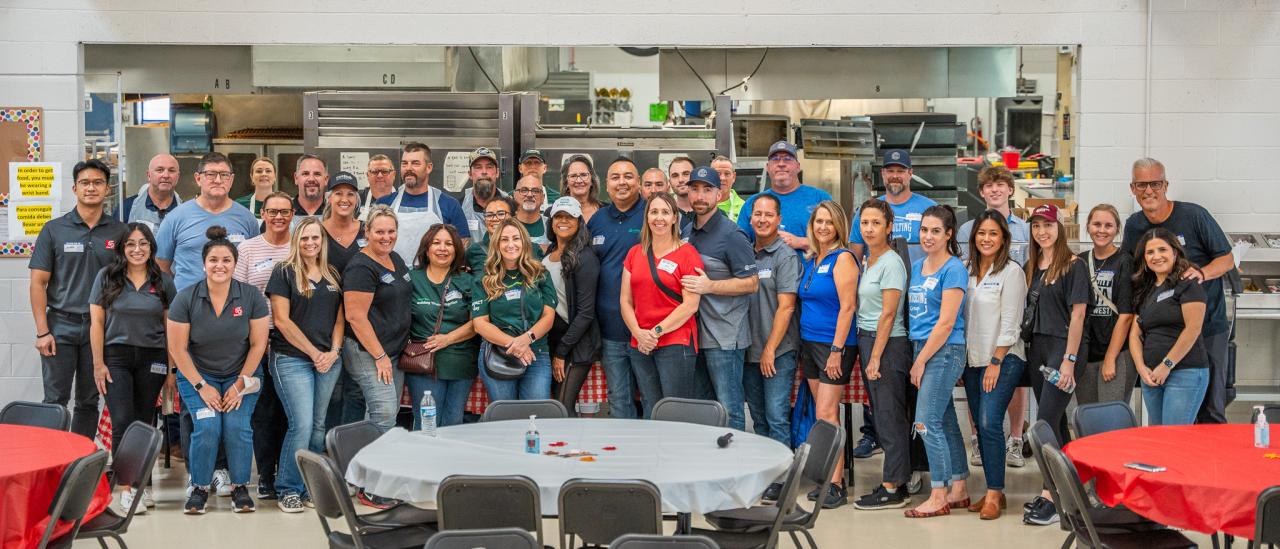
(181,237)
(797,200)
(908,207)
(995,184)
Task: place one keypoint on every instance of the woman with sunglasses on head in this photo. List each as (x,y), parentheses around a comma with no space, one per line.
(574,270)
(442,293)
(1166,340)
(128,306)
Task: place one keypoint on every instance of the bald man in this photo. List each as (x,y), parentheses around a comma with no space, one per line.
(161,198)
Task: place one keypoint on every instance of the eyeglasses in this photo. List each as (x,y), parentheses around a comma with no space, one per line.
(578,176)
(496,215)
(276,213)
(218,175)
(380,172)
(92,182)
(529,191)
(1153,185)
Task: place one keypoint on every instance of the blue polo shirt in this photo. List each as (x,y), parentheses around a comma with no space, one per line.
(726,253)
(613,234)
(181,238)
(906,219)
(797,207)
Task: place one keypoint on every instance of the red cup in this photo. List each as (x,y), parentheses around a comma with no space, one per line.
(1011,159)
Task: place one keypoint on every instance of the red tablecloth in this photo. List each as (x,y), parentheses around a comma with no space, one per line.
(32,460)
(1212,483)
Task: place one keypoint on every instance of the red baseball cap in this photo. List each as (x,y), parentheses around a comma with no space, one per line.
(1047,211)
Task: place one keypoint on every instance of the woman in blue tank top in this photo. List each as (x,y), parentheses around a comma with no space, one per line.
(828,300)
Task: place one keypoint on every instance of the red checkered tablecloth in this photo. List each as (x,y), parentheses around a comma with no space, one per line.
(594,391)
(854,393)
(103,437)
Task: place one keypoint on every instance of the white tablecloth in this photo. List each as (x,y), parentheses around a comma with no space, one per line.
(683,460)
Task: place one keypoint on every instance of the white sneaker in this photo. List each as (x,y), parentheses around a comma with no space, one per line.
(1013,453)
(222,483)
(147,500)
(975,454)
(126,499)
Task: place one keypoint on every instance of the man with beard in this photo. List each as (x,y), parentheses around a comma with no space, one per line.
(530,198)
(534,163)
(908,207)
(678,172)
(797,199)
(158,195)
(484,175)
(418,205)
(726,287)
(653,181)
(311,177)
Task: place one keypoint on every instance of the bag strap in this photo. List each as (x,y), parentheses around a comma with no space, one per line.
(653,272)
(1093,281)
(444,292)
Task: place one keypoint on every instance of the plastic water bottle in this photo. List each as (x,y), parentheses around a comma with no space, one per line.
(1261,431)
(532,440)
(1052,376)
(427,413)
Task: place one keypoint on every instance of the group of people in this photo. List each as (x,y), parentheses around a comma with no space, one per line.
(277,317)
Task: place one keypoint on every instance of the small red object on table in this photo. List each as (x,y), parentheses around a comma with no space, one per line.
(33,461)
(1213,478)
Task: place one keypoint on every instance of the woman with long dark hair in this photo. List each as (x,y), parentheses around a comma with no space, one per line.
(578,179)
(128,306)
(574,270)
(1166,340)
(442,294)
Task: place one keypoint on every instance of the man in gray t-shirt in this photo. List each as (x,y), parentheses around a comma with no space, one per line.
(726,285)
(770,369)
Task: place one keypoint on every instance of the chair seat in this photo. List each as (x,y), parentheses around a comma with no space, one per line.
(1156,539)
(1120,520)
(753,518)
(400,538)
(734,540)
(104,524)
(397,516)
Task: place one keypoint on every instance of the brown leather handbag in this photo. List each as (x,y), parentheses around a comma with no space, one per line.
(416,359)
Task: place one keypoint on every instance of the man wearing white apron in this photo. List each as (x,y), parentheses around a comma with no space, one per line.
(418,205)
(157,195)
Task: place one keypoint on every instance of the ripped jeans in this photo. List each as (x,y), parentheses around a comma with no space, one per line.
(936,420)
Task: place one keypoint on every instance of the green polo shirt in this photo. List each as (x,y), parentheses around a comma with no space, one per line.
(457,361)
(504,310)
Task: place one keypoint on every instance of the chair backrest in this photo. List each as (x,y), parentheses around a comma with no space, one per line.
(503,410)
(491,538)
(1071,500)
(344,441)
(826,441)
(648,541)
(1272,411)
(1102,417)
(599,511)
(36,414)
(476,502)
(328,492)
(1267,526)
(790,492)
(689,410)
(75,491)
(135,457)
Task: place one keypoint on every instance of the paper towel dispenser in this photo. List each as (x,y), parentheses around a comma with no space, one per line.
(191,129)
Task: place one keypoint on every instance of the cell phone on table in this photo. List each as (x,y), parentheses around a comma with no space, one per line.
(1146,467)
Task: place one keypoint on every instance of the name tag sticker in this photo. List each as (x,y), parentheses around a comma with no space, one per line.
(361,242)
(512,295)
(73,247)
(452,295)
(597,240)
(913,217)
(473,224)
(930,283)
(765,273)
(235,238)
(1164,295)
(667,265)
(263,265)
(405,277)
(159,368)
(1182,240)
(388,278)
(206,413)
(824,269)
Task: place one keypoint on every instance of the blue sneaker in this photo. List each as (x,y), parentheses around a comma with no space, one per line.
(867,447)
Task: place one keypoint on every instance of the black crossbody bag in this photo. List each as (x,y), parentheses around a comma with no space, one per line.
(653,272)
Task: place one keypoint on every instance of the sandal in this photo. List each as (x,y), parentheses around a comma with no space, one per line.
(912,513)
(962,504)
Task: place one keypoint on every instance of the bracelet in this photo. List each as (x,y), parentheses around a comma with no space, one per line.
(380,357)
(38,336)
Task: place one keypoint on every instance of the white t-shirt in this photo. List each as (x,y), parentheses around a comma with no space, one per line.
(556,271)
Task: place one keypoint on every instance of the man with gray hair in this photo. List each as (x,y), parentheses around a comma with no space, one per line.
(1209,252)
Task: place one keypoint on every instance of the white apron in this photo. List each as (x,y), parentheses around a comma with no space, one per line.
(413,225)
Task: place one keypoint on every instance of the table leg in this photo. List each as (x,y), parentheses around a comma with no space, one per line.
(848,445)
(684,524)
(1214,537)
(1228,538)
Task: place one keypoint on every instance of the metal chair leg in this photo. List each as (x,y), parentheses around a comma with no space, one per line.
(1066,544)
(102,542)
(795,541)
(812,544)
(1216,544)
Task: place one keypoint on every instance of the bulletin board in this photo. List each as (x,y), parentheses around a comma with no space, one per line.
(21,140)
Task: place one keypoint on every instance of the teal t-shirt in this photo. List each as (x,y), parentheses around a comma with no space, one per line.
(887,273)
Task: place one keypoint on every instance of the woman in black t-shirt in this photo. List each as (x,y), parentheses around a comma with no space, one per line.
(1165,341)
(1108,375)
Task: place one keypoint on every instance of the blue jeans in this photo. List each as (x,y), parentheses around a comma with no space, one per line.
(1177,401)
(450,396)
(988,413)
(936,415)
(769,398)
(666,372)
(305,393)
(617,374)
(381,401)
(211,429)
(535,384)
(722,369)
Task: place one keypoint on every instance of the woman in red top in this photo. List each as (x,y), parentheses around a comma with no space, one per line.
(664,334)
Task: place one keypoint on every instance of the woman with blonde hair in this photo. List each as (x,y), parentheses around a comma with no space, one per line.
(513,309)
(262,173)
(1109,372)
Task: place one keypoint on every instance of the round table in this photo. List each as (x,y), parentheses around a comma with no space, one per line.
(682,459)
(1212,483)
(33,461)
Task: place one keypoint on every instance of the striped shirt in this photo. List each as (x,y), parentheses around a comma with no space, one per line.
(257,259)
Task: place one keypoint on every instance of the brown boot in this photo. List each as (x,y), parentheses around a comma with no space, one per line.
(991,508)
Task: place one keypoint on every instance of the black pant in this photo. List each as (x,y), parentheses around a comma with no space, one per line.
(889,396)
(1216,399)
(70,371)
(1048,350)
(269,424)
(574,374)
(137,375)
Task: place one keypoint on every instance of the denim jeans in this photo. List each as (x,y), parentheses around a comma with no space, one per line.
(988,413)
(666,372)
(211,429)
(722,370)
(769,398)
(535,384)
(618,371)
(131,395)
(382,401)
(347,403)
(304,393)
(450,396)
(70,372)
(269,424)
(1177,401)
(936,418)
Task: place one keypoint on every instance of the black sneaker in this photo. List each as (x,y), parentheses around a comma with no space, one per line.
(1042,515)
(240,500)
(867,447)
(882,498)
(197,501)
(836,496)
(267,488)
(1032,504)
(774,491)
(813,494)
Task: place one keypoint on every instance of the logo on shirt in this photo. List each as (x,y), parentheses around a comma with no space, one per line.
(111,244)
(237,312)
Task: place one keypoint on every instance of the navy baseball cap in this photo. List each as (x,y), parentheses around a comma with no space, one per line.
(704,174)
(342,178)
(533,153)
(897,157)
(782,146)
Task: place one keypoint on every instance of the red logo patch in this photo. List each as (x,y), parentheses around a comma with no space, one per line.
(153,289)
(238,311)
(111,244)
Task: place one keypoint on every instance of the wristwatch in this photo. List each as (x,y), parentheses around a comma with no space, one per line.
(995,361)
(1168,362)
(532,338)
(837,349)
(1069,357)
(199,385)
(657,329)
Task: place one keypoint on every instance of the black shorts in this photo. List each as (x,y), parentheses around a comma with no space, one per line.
(813,357)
